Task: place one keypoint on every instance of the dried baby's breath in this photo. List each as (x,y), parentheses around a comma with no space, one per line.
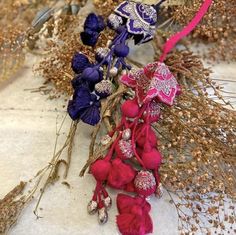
(217,28)
(198,141)
(10,207)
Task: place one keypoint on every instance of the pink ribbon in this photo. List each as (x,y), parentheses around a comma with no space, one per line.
(170,44)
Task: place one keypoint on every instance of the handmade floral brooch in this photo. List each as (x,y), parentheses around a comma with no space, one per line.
(95,81)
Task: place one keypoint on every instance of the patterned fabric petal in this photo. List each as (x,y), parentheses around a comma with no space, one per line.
(128,80)
(163,85)
(140,19)
(153,81)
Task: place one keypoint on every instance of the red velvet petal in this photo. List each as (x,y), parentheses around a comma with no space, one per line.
(130,224)
(148,223)
(124,203)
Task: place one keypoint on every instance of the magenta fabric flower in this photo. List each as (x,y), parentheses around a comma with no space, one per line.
(154,81)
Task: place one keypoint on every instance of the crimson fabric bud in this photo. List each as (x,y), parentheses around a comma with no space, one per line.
(152,139)
(130,108)
(91,75)
(89,37)
(145,183)
(129,187)
(126,202)
(100,169)
(80,62)
(121,50)
(151,159)
(120,174)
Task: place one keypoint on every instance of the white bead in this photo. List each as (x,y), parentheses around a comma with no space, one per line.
(107,202)
(92,207)
(113,71)
(124,72)
(105,140)
(109,42)
(126,134)
(102,215)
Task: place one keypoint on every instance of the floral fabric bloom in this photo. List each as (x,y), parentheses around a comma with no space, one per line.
(80,62)
(153,81)
(140,20)
(84,106)
(93,25)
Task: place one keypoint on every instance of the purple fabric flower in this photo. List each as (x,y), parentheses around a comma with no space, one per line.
(89,37)
(91,115)
(78,82)
(84,106)
(94,23)
(91,75)
(80,62)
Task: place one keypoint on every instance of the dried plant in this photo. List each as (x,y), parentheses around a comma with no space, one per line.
(106,7)
(10,207)
(16,17)
(198,139)
(56,68)
(217,29)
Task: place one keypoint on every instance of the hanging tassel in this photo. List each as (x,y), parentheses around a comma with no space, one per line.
(133,218)
(120,174)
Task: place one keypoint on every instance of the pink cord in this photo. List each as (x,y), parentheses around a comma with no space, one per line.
(169,45)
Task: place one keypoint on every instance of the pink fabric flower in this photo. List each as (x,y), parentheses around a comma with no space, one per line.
(154,81)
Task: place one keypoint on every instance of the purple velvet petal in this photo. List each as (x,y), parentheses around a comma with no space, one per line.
(101,24)
(91,115)
(80,62)
(91,22)
(81,101)
(89,37)
(91,75)
(73,110)
(77,82)
(121,50)
(82,96)
(94,23)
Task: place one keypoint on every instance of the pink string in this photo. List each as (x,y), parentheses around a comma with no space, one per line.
(170,44)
